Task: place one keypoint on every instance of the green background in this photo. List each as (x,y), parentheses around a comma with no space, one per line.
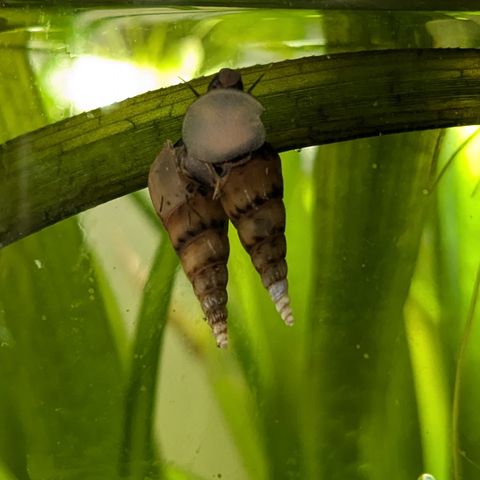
(106,367)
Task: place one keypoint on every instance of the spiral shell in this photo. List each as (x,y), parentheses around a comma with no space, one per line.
(223,169)
(252,198)
(198,229)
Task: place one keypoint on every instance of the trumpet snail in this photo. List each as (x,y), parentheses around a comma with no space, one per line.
(223,170)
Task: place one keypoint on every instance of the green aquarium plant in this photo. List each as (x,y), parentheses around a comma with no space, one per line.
(107,369)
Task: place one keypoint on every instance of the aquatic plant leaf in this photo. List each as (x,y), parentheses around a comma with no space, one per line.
(368,218)
(138,457)
(59,362)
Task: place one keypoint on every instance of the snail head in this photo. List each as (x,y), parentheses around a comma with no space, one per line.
(226,78)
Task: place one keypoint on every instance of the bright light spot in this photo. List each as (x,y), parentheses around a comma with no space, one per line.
(468,130)
(90,82)
(192,54)
(307,158)
(306,42)
(473,156)
(426,476)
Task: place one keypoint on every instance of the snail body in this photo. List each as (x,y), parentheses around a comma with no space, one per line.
(222,125)
(223,169)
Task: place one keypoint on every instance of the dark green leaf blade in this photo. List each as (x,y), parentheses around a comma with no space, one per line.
(59,361)
(326,99)
(138,456)
(368,220)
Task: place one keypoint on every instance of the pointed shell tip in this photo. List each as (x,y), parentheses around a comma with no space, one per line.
(222,340)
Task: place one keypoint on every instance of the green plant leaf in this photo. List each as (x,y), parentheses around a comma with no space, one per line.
(138,454)
(4,473)
(455,233)
(368,219)
(59,362)
(326,99)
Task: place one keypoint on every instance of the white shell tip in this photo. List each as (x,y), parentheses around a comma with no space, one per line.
(288,319)
(222,340)
(279,294)
(285,311)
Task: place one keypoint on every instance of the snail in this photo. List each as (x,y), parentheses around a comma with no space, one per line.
(223,169)
(198,229)
(252,199)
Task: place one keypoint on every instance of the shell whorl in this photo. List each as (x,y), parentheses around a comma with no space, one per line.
(223,169)
(279,294)
(252,199)
(198,229)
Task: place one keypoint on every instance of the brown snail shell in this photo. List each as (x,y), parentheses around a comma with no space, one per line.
(198,229)
(222,168)
(252,197)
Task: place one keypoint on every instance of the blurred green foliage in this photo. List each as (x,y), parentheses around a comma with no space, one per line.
(381,258)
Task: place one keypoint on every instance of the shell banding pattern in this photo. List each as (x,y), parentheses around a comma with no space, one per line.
(223,170)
